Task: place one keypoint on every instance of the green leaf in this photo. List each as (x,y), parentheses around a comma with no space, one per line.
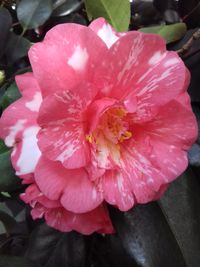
(171,33)
(11,94)
(7,221)
(8,180)
(66,7)
(181,208)
(166,233)
(17,47)
(50,247)
(116,12)
(32,14)
(3,147)
(5,25)
(13,261)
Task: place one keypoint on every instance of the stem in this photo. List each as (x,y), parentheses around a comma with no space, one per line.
(15,24)
(190,13)
(196,51)
(22,34)
(186,47)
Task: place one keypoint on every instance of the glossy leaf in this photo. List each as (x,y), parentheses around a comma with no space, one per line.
(32,14)
(5,25)
(68,7)
(7,221)
(53,248)
(11,94)
(166,234)
(8,180)
(17,47)
(170,33)
(147,237)
(116,12)
(181,207)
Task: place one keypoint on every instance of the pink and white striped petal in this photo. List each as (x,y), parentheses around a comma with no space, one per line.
(23,112)
(73,187)
(161,77)
(67,57)
(26,153)
(175,124)
(96,220)
(105,31)
(32,195)
(62,136)
(117,190)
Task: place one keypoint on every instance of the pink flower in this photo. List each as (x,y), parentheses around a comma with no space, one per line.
(104,117)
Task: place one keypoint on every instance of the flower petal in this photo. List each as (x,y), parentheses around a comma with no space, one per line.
(105,31)
(22,113)
(160,78)
(175,124)
(66,57)
(117,190)
(73,187)
(62,137)
(26,153)
(32,195)
(96,220)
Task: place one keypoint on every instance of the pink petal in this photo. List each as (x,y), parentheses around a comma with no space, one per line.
(18,126)
(105,31)
(150,164)
(138,64)
(96,220)
(32,195)
(28,86)
(96,110)
(21,114)
(117,190)
(175,124)
(66,57)
(62,137)
(26,153)
(145,179)
(73,187)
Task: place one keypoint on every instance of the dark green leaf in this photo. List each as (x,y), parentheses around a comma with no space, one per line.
(116,12)
(147,238)
(32,14)
(53,248)
(11,94)
(7,221)
(181,207)
(8,180)
(164,234)
(12,261)
(108,251)
(66,8)
(3,147)
(5,25)
(17,47)
(170,33)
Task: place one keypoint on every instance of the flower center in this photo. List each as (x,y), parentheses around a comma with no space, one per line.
(113,126)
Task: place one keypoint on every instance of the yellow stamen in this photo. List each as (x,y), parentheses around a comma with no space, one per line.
(89,138)
(126,135)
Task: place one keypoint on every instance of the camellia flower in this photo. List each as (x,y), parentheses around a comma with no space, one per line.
(103,118)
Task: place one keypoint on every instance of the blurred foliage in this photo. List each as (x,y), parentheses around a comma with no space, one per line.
(159,234)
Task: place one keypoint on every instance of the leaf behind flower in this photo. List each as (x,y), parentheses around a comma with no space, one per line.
(116,12)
